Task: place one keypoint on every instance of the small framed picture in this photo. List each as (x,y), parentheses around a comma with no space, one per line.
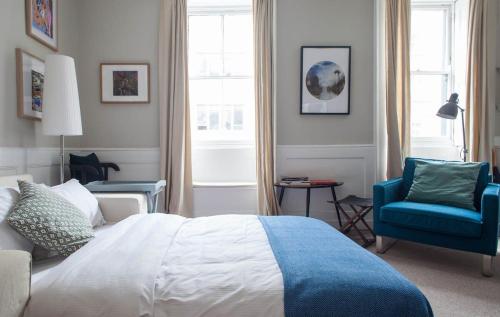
(125,83)
(42,21)
(325,80)
(30,72)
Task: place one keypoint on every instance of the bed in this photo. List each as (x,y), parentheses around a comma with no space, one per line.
(231,265)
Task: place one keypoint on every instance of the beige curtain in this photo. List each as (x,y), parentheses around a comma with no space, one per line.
(263,50)
(397,73)
(175,140)
(477,110)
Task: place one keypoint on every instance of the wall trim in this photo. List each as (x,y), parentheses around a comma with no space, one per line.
(328,146)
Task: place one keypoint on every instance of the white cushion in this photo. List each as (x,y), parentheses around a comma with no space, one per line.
(9,238)
(79,196)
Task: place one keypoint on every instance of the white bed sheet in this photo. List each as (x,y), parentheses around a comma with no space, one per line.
(43,267)
(166,265)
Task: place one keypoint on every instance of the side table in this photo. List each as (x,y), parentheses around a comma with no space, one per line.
(150,188)
(282,187)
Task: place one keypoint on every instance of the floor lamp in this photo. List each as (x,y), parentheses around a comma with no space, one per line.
(61,104)
(450,111)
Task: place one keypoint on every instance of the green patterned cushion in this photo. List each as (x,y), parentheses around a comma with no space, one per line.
(49,220)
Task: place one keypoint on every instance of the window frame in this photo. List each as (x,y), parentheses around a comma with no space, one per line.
(211,142)
(448,71)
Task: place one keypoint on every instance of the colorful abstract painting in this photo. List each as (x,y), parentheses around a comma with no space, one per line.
(42,20)
(42,12)
(36,90)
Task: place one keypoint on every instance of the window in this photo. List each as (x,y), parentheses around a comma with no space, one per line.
(437,59)
(221,74)
(431,69)
(221,91)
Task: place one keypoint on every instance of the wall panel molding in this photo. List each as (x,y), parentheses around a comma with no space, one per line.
(355,165)
(352,164)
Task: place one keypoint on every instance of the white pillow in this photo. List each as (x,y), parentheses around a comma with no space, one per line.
(79,196)
(9,238)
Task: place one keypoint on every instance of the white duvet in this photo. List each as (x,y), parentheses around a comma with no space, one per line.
(166,265)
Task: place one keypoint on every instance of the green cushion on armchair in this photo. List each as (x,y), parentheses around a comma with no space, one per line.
(444,183)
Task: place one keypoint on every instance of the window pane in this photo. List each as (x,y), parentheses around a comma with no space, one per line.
(238,118)
(205,64)
(214,120)
(429,39)
(226,119)
(205,91)
(238,33)
(236,64)
(428,93)
(237,45)
(237,91)
(201,118)
(199,27)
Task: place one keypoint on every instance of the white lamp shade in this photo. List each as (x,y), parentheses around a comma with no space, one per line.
(61,103)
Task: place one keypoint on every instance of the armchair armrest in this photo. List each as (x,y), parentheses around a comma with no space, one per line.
(490,206)
(384,193)
(15,282)
(118,206)
(388,191)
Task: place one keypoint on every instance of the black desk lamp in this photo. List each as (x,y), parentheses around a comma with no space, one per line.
(450,111)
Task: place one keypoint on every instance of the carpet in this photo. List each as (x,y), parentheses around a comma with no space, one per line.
(451,280)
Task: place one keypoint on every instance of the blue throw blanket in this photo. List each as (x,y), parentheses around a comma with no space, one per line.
(326,274)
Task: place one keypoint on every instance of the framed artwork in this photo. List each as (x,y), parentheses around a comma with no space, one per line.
(30,72)
(125,83)
(325,80)
(42,21)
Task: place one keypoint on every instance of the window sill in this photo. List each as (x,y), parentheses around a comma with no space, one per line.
(224,185)
(206,145)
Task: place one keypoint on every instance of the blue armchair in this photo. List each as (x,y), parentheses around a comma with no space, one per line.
(439,225)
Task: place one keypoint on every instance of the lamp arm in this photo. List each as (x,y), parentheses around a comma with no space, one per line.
(463,135)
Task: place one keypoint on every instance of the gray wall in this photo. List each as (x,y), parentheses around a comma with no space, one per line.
(15,131)
(325,22)
(117,31)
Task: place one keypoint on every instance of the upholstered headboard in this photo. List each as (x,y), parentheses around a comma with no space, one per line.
(11,181)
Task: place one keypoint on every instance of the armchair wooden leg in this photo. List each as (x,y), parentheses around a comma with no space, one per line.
(487,265)
(384,243)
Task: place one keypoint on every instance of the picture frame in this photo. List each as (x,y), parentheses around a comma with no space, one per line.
(125,83)
(42,22)
(30,72)
(325,80)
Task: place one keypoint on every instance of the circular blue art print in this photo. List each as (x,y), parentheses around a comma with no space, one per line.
(325,80)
